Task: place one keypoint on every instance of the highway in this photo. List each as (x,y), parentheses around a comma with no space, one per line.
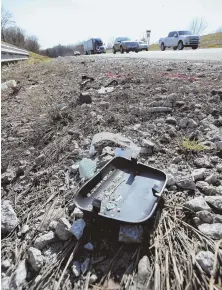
(210,54)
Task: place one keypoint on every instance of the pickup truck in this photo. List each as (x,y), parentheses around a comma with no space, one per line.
(179,40)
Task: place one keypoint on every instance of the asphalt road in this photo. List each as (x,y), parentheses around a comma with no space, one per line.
(213,54)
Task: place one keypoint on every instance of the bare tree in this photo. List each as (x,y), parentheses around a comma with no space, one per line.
(15,36)
(6,21)
(31,43)
(198,25)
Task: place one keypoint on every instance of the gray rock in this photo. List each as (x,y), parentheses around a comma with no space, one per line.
(201,184)
(202,162)
(159,109)
(35,258)
(93,278)
(40,159)
(25,229)
(185,182)
(8,84)
(7,177)
(52,251)
(9,219)
(53,225)
(172,132)
(131,233)
(18,277)
(206,260)
(171,120)
(74,168)
(147,143)
(63,229)
(192,123)
(170,180)
(219,168)
(212,179)
(183,123)
(177,159)
(206,217)
(165,138)
(197,204)
(198,173)
(78,213)
(213,231)
(6,264)
(44,240)
(89,246)
(5,283)
(78,228)
(104,105)
(214,201)
(210,190)
(85,265)
(143,270)
(76,268)
(219,145)
(214,159)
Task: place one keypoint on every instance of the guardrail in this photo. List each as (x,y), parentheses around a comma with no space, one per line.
(11,53)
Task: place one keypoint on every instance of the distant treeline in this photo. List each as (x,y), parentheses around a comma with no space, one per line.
(62,50)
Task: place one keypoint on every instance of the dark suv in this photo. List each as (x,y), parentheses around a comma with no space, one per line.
(124,44)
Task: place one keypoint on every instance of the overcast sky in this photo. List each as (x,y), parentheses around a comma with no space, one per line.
(69,21)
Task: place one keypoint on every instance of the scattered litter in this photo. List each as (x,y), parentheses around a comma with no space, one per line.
(84,98)
(105,90)
(76,268)
(87,168)
(85,265)
(131,233)
(89,247)
(112,83)
(159,109)
(78,228)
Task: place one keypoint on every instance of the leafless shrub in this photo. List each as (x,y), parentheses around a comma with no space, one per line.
(198,25)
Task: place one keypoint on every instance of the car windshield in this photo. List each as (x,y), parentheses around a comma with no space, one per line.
(185,32)
(124,38)
(98,42)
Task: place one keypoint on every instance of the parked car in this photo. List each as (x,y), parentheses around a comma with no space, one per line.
(143,46)
(179,40)
(94,46)
(124,44)
(76,53)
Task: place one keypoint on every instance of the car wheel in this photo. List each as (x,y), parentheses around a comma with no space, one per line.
(136,51)
(180,45)
(146,49)
(194,47)
(114,51)
(162,46)
(121,49)
(175,48)
(127,51)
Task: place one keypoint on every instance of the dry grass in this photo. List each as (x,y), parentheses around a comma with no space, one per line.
(34,58)
(193,145)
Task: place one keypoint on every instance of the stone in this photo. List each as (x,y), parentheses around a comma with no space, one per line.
(104,90)
(198,173)
(52,251)
(131,233)
(185,182)
(53,225)
(183,123)
(7,177)
(165,138)
(210,190)
(177,159)
(172,132)
(219,168)
(206,260)
(93,278)
(197,204)
(40,159)
(170,180)
(212,179)
(192,123)
(9,218)
(7,85)
(159,109)
(5,283)
(76,268)
(202,162)
(147,143)
(201,184)
(214,159)
(104,105)
(171,120)
(206,217)
(74,168)
(78,228)
(44,240)
(219,145)
(84,98)
(63,229)
(214,201)
(85,265)
(78,213)
(6,264)
(213,231)
(18,277)
(25,229)
(143,270)
(89,246)
(35,258)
